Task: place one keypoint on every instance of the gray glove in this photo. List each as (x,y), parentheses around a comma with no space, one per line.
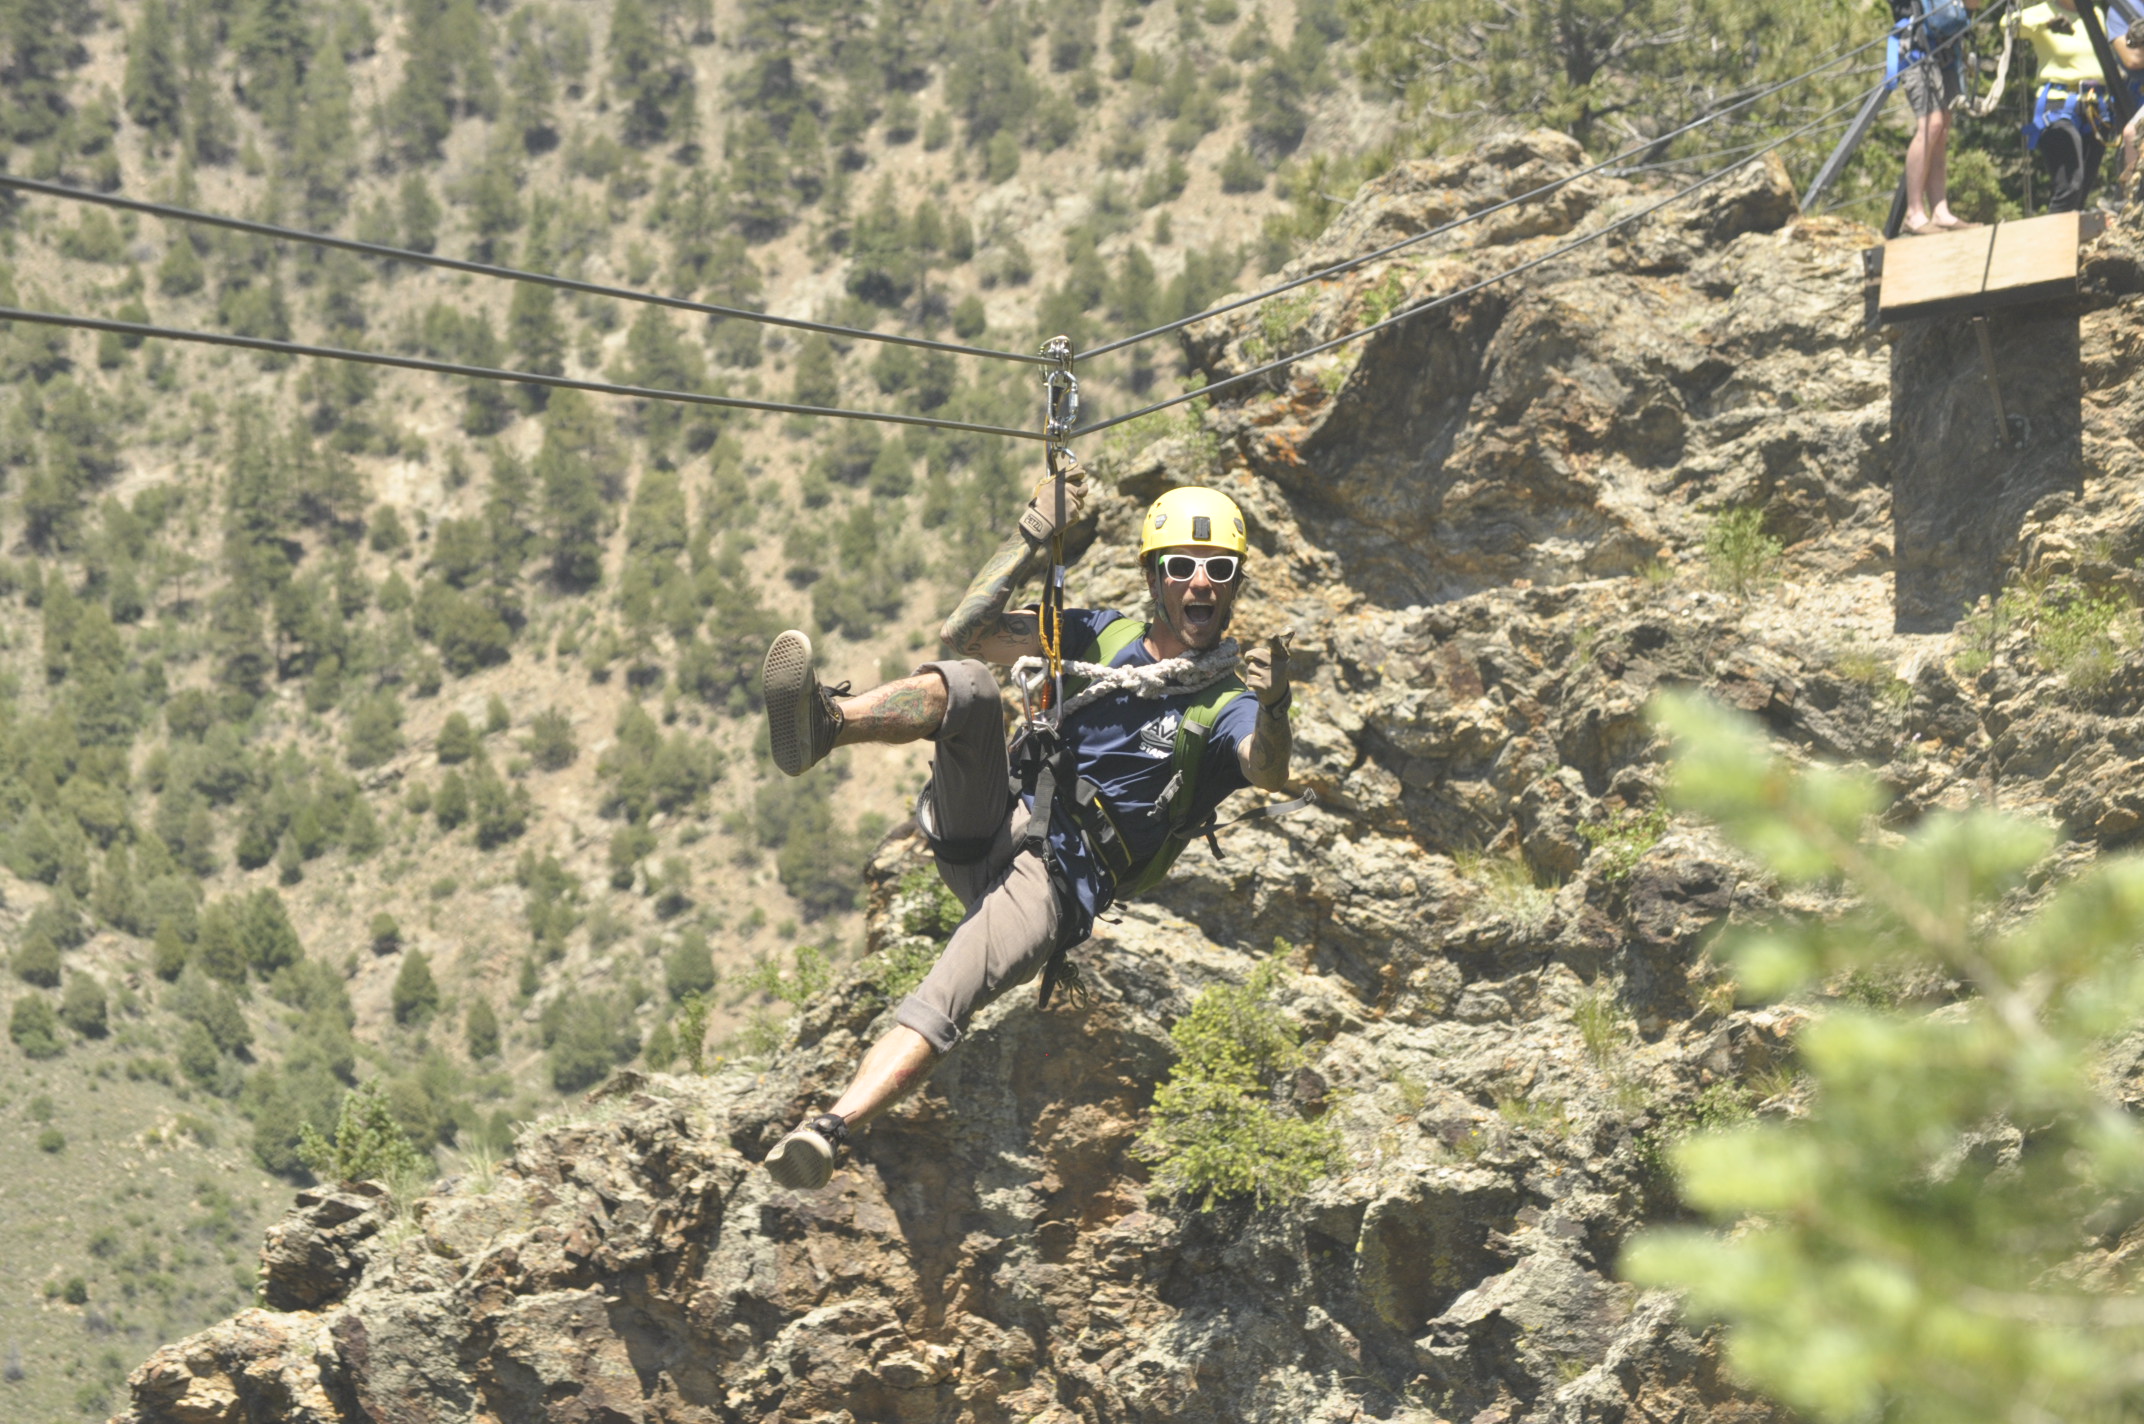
(1039,521)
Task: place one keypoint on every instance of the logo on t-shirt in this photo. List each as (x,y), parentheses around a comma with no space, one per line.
(1158,737)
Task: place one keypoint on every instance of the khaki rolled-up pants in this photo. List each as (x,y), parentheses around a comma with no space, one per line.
(1013,915)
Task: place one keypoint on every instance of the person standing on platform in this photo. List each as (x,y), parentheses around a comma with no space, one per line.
(1930,57)
(2131,55)
(2072,113)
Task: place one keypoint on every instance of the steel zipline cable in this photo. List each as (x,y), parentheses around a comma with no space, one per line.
(487,373)
(1447,298)
(171,213)
(1542,190)
(448,368)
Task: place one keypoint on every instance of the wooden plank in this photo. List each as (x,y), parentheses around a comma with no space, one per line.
(2034,253)
(1934,271)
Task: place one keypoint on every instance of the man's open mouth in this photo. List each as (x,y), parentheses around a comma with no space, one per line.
(1198,615)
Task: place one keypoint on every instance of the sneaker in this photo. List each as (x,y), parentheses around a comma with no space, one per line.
(804,1160)
(802,717)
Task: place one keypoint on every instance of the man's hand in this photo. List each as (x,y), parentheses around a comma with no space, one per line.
(1264,753)
(1265,672)
(1040,520)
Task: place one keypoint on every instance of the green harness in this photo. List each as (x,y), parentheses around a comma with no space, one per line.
(1180,794)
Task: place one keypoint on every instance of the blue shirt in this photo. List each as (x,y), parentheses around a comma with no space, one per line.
(1124,744)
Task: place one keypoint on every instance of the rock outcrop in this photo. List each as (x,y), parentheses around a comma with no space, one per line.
(1486,529)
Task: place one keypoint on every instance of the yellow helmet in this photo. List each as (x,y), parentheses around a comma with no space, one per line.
(1193,515)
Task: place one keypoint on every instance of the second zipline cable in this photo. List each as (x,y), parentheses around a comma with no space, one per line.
(488,373)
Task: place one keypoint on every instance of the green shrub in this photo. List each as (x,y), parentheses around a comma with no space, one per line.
(585,1035)
(34,1027)
(689,967)
(37,961)
(1624,840)
(550,742)
(927,913)
(375,731)
(83,1007)
(1739,555)
(690,1033)
(52,1140)
(481,1030)
(368,1144)
(457,741)
(1216,1132)
(415,996)
(1241,172)
(386,933)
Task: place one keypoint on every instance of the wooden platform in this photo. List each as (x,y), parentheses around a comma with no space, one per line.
(1978,269)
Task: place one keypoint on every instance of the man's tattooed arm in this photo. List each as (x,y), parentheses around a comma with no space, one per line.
(980,627)
(1264,753)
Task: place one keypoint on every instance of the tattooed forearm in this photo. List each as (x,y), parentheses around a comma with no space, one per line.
(1014,563)
(1265,754)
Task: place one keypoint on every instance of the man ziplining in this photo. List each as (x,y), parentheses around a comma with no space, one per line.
(1154,744)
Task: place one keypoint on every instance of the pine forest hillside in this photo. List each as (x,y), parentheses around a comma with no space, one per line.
(367,726)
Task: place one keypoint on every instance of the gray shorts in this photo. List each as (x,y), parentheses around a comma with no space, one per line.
(1011,925)
(1930,85)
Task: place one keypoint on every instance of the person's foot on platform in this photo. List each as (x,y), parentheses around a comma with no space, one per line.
(802,716)
(804,1160)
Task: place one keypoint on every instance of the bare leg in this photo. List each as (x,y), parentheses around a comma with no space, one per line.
(896,1064)
(1917,175)
(2129,156)
(903,711)
(1939,168)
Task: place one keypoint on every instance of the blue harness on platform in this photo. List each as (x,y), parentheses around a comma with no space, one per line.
(2087,108)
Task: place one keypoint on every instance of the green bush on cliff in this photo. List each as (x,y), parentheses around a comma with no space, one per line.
(368,1145)
(1927,1242)
(1216,1131)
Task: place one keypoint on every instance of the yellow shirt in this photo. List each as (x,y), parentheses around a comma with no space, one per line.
(2064,59)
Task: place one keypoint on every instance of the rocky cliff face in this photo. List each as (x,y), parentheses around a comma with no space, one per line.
(1486,529)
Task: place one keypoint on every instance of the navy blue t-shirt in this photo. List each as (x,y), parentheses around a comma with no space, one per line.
(1124,743)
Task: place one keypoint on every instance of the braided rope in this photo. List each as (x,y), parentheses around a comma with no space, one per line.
(1171,677)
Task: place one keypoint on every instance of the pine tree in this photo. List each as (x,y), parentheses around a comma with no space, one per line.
(37,961)
(153,89)
(271,42)
(38,38)
(415,996)
(219,950)
(814,381)
(457,741)
(83,1007)
(323,156)
(657,92)
(482,1030)
(534,332)
(575,515)
(270,940)
(420,213)
(758,183)
(657,357)
(168,955)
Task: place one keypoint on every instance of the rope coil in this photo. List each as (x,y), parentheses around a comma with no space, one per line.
(1171,677)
